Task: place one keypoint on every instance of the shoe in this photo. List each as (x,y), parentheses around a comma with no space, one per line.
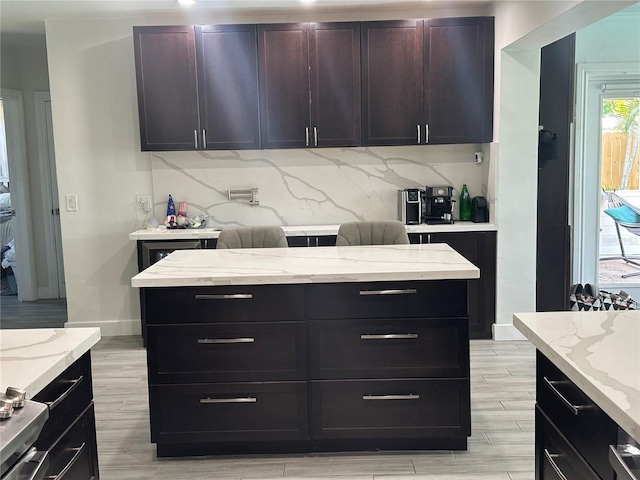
(591,295)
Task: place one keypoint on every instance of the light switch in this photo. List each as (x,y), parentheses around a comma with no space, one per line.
(72,203)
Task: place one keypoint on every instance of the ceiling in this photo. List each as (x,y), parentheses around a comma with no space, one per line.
(27,17)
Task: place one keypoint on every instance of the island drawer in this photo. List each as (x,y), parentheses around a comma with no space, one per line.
(582,422)
(227,352)
(229,412)
(389,348)
(557,458)
(224,304)
(434,298)
(67,396)
(390,408)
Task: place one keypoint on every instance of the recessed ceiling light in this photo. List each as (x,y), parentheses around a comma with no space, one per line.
(186,2)
(307,2)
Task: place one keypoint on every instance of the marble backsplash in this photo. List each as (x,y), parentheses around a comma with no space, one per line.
(311,186)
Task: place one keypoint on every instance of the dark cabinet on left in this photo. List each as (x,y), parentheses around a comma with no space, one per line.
(197,87)
(69,435)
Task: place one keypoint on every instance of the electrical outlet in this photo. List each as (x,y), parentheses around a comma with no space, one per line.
(72,203)
(143,202)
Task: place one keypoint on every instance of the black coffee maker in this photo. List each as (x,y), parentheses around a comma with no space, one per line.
(438,205)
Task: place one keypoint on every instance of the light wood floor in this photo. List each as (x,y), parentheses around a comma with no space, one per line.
(500,448)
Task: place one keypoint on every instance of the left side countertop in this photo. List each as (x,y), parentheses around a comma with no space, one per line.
(31,358)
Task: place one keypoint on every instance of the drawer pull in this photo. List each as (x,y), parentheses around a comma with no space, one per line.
(550,458)
(226,296)
(389,336)
(78,451)
(229,400)
(411,396)
(623,472)
(227,340)
(66,393)
(575,409)
(404,291)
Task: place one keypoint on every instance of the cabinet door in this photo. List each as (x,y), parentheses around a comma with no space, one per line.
(228,86)
(458,80)
(392,83)
(480,249)
(167,87)
(284,85)
(334,68)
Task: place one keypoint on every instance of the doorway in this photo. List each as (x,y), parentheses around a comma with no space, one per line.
(604,166)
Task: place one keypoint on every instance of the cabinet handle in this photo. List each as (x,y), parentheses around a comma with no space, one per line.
(418,133)
(204,138)
(195,139)
(550,458)
(575,409)
(229,400)
(306,136)
(426,133)
(226,296)
(405,291)
(389,336)
(410,396)
(66,393)
(315,136)
(78,451)
(619,465)
(226,340)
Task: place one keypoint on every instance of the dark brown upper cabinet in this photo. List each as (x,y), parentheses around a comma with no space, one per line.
(197,87)
(392,82)
(427,81)
(309,84)
(458,80)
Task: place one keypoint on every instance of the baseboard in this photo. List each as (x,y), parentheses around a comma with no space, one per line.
(46,292)
(506,331)
(111,328)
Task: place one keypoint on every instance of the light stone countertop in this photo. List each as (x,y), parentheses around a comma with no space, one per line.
(31,358)
(598,351)
(303,231)
(259,266)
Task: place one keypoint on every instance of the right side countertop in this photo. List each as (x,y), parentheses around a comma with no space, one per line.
(598,351)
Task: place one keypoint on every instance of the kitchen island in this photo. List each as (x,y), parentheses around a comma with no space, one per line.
(587,389)
(53,367)
(314,349)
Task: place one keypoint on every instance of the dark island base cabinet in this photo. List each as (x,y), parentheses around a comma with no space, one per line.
(572,433)
(295,368)
(480,249)
(69,435)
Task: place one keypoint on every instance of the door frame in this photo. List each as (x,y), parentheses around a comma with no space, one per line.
(587,153)
(50,202)
(19,186)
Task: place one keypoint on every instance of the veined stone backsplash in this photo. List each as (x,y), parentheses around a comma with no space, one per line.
(311,186)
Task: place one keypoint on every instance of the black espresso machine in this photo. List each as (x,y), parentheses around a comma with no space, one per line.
(438,205)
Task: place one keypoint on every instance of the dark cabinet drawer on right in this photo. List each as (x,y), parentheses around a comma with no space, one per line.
(581,421)
(444,298)
(389,348)
(556,458)
(390,408)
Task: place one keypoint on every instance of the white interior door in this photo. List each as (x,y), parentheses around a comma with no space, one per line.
(49,185)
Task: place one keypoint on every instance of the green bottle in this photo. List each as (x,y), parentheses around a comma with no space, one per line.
(465,203)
